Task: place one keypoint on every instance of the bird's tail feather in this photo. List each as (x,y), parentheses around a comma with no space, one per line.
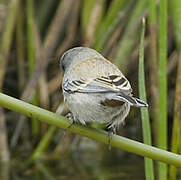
(131,100)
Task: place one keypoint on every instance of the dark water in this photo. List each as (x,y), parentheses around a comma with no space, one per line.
(91,160)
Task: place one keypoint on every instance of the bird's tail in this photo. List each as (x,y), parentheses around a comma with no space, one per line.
(133,101)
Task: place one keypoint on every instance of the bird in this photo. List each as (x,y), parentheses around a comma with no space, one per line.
(95,90)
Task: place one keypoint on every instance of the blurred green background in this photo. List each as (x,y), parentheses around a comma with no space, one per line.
(33,36)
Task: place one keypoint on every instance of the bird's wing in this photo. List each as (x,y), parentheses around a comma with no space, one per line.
(116,89)
(112,83)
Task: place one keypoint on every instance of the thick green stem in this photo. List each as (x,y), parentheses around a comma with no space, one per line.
(101,136)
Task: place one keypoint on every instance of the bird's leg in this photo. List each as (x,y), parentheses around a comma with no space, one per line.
(111,132)
(71,119)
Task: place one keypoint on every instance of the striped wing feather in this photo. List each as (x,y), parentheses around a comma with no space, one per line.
(118,87)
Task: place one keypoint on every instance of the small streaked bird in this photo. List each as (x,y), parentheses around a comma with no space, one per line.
(95,90)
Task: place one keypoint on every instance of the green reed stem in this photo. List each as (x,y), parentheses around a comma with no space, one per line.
(149,170)
(153,66)
(101,136)
(6,38)
(162,80)
(175,8)
(45,141)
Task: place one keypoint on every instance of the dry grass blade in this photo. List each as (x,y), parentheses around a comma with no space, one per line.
(4,53)
(42,53)
(71,32)
(45,53)
(20,48)
(44,93)
(55,83)
(7,38)
(56,27)
(4,151)
(93,22)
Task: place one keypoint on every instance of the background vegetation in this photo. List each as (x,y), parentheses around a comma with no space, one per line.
(33,36)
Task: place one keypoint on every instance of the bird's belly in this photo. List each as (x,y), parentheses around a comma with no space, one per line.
(89,109)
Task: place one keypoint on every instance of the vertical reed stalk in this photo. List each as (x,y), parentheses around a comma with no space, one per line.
(20,47)
(149,170)
(4,53)
(162,80)
(175,8)
(153,65)
(31,54)
(176,132)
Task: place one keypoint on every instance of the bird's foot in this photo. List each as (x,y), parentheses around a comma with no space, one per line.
(71,119)
(111,132)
